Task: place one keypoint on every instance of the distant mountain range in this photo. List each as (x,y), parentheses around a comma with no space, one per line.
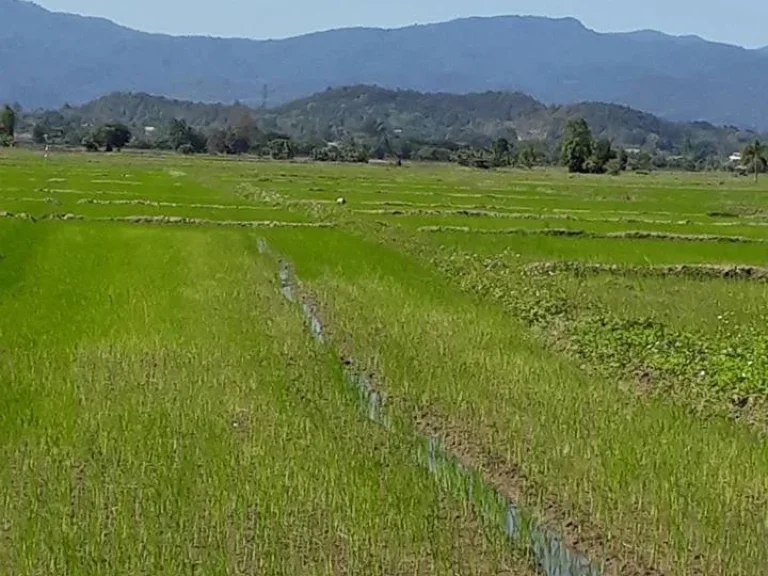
(47,59)
(367,112)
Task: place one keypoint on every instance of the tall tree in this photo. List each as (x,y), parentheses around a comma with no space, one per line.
(181,134)
(39,133)
(217,142)
(528,156)
(623,158)
(755,154)
(502,152)
(603,153)
(382,134)
(178,133)
(7,123)
(245,134)
(576,145)
(281,149)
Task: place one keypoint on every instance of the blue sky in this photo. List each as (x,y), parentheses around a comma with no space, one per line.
(744,22)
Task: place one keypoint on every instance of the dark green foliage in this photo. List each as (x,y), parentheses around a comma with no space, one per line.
(532,154)
(281,149)
(180,134)
(640,162)
(433,154)
(89,144)
(239,139)
(474,158)
(243,136)
(145,144)
(576,146)
(7,125)
(401,124)
(502,152)
(613,167)
(60,127)
(7,121)
(602,154)
(236,142)
(39,133)
(755,156)
(623,158)
(217,142)
(351,152)
(374,115)
(112,136)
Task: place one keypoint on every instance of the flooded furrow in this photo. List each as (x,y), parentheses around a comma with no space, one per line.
(547,548)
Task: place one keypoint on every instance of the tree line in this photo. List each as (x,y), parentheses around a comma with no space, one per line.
(371,115)
(577,149)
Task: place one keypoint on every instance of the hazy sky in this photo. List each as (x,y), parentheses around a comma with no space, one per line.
(743,22)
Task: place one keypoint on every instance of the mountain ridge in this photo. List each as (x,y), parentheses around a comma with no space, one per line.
(51,58)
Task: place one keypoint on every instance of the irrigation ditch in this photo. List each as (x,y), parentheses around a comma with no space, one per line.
(496,511)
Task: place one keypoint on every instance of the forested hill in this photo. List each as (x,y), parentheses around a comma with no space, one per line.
(50,58)
(365,112)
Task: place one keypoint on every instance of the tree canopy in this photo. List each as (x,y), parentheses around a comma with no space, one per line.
(755,155)
(7,124)
(112,136)
(576,145)
(386,119)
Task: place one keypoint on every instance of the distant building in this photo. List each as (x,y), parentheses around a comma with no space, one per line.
(149,130)
(735,158)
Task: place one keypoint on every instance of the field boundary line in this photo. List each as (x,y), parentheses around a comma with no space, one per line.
(167,220)
(163,204)
(692,271)
(481,213)
(623,235)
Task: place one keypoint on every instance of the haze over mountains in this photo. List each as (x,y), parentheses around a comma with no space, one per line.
(47,59)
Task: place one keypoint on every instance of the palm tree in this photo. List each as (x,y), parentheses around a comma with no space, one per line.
(757,154)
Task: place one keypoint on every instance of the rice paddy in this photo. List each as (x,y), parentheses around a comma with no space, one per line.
(589,353)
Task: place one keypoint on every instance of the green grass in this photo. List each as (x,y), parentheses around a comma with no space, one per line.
(41,209)
(683,303)
(600,250)
(638,470)
(594,222)
(164,410)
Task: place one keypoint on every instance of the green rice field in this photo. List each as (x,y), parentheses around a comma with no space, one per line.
(209,366)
